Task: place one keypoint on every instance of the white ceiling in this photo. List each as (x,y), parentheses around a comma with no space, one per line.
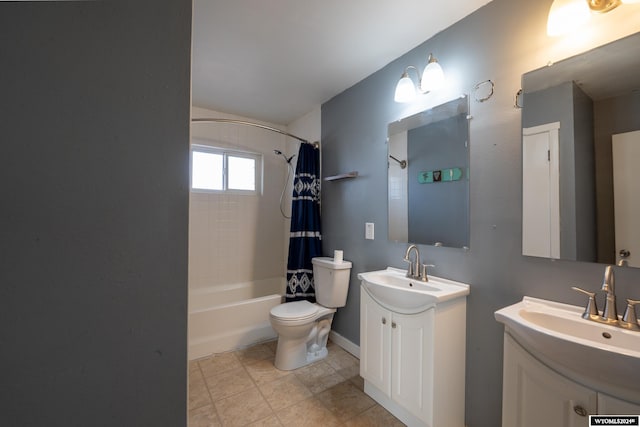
(276,60)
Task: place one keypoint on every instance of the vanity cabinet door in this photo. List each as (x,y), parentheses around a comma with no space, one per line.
(609,405)
(534,395)
(375,342)
(412,368)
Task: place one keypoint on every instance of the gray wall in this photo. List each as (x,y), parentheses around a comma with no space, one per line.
(438,211)
(555,104)
(568,104)
(501,41)
(94,121)
(585,180)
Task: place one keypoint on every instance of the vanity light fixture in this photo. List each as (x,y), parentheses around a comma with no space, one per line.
(405,89)
(432,79)
(567,15)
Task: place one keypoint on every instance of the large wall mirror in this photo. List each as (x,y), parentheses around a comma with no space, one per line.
(428,177)
(581,157)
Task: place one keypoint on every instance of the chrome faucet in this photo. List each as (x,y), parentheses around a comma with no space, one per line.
(610,312)
(416,269)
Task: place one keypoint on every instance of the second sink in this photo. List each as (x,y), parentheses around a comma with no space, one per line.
(601,356)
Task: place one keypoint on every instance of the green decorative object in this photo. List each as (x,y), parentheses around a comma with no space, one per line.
(444,175)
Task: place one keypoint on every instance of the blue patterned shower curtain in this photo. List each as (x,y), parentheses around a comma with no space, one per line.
(305,239)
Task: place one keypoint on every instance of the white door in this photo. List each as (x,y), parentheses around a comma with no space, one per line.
(626,194)
(375,341)
(541,191)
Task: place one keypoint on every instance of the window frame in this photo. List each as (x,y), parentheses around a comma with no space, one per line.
(226,153)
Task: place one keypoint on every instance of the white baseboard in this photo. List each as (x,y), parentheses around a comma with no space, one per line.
(345,343)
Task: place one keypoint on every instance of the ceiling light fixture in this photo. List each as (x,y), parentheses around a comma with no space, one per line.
(432,79)
(566,16)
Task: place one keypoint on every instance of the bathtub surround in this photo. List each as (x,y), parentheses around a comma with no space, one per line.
(236,245)
(500,41)
(94,116)
(235,238)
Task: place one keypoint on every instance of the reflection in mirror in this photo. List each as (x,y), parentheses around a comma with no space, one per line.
(428,177)
(580,145)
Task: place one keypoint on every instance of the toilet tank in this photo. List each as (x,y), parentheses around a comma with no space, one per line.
(331,281)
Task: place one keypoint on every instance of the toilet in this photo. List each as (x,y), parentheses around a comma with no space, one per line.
(303,327)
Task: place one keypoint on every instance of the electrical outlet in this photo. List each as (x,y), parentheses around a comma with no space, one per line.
(368,230)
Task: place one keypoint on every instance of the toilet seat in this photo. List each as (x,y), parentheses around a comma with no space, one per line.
(298,313)
(296,310)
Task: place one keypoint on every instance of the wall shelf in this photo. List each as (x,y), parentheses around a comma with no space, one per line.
(342,176)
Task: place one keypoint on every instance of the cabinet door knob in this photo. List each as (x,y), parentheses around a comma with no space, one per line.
(393,325)
(580,410)
(384,321)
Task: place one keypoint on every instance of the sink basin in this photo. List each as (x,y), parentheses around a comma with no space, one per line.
(398,293)
(602,356)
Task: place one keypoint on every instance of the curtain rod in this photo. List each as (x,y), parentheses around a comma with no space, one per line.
(258,125)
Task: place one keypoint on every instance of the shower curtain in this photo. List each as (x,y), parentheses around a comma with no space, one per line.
(305,234)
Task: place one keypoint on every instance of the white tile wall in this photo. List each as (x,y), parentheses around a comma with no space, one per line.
(238,238)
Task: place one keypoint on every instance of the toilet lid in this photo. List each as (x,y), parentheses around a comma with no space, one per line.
(294,310)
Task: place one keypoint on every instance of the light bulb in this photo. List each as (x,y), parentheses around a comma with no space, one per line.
(567,15)
(433,76)
(405,89)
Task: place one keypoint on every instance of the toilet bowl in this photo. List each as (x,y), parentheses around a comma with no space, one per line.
(303,327)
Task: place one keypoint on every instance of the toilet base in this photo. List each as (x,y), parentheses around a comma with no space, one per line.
(291,356)
(296,352)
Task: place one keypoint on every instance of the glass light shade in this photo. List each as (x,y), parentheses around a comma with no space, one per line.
(567,15)
(405,90)
(432,77)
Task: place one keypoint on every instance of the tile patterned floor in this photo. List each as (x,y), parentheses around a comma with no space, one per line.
(243,388)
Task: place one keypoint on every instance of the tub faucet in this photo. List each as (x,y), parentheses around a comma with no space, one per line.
(610,312)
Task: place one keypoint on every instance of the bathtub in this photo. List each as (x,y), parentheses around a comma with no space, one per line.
(228,317)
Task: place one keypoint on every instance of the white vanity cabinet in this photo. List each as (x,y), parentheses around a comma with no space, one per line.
(534,395)
(609,405)
(414,364)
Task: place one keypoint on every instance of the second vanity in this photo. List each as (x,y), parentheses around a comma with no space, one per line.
(412,346)
(559,367)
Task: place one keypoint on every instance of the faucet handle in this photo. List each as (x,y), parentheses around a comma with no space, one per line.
(591,310)
(410,268)
(630,320)
(423,272)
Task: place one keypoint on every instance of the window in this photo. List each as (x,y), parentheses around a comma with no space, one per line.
(218,169)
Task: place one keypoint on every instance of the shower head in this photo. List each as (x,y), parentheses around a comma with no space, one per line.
(280,153)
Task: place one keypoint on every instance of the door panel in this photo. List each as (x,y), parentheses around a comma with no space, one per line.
(626,189)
